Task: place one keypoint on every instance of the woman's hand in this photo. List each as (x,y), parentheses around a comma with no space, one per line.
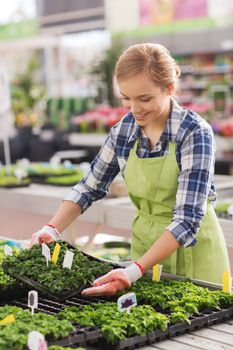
(115,281)
(47,234)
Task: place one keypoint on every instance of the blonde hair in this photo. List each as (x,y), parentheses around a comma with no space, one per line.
(153,59)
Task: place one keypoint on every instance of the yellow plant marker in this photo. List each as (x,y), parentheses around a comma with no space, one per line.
(8,319)
(155,275)
(157,269)
(56,253)
(226,282)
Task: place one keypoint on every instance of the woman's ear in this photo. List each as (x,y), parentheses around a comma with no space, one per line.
(170,89)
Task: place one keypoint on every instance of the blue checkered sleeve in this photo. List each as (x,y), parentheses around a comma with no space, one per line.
(194,182)
(103,170)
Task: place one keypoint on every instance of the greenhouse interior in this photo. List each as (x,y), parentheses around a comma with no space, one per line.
(116,174)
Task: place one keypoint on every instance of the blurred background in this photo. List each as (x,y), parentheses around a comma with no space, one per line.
(57,90)
(57,59)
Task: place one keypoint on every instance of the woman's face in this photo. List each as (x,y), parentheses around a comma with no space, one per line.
(148,102)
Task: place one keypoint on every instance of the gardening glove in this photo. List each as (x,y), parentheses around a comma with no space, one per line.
(115,281)
(47,234)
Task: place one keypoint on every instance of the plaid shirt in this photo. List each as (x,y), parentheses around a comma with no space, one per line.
(195,150)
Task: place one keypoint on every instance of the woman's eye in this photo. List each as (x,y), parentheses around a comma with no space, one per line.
(145,99)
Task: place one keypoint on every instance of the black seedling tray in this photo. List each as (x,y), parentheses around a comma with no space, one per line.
(197,322)
(82,334)
(93,335)
(18,291)
(35,176)
(16,185)
(45,290)
(134,342)
(60,185)
(223,215)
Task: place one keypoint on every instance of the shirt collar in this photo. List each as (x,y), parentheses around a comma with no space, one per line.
(136,132)
(171,128)
(173,122)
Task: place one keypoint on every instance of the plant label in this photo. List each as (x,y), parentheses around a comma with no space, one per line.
(157,270)
(126,302)
(8,250)
(56,253)
(46,252)
(68,259)
(226,282)
(8,319)
(33,300)
(36,341)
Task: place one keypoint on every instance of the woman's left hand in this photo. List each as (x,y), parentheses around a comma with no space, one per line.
(114,281)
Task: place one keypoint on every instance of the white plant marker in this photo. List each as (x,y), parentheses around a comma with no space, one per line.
(8,250)
(68,259)
(126,302)
(33,300)
(46,253)
(36,341)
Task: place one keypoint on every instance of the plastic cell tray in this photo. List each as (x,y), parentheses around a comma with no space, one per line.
(45,290)
(92,336)
(81,334)
(12,293)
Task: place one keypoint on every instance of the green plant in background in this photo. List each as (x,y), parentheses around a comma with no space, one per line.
(58,347)
(13,181)
(104,69)
(67,180)
(27,94)
(46,169)
(222,207)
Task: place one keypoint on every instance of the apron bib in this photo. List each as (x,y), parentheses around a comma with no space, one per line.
(152,185)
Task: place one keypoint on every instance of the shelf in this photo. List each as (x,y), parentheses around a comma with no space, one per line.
(206,70)
(195,86)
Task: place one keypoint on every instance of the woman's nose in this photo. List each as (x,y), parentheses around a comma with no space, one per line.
(135,107)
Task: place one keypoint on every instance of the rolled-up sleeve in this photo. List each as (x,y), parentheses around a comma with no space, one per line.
(102,172)
(194,183)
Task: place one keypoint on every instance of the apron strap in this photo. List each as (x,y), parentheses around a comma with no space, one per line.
(188,260)
(135,145)
(172,148)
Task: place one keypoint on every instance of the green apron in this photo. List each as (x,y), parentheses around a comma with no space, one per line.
(152,184)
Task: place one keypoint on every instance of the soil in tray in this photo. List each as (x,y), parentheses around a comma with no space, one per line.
(30,267)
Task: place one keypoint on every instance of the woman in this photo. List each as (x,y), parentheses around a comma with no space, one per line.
(166,155)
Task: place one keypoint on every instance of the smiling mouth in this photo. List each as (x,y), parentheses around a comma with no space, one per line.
(140,116)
